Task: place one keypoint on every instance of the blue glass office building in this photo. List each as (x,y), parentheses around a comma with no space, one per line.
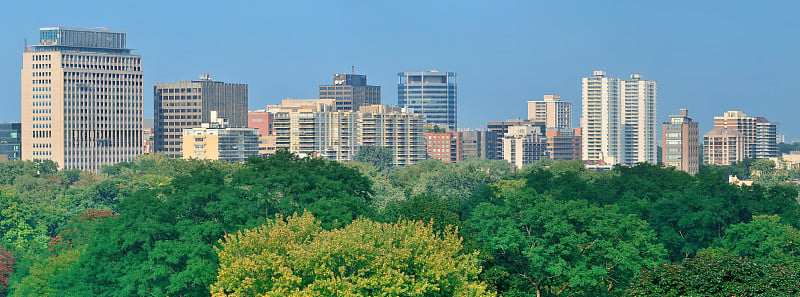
(10,144)
(430,93)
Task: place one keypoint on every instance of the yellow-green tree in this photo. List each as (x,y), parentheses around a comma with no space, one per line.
(297,257)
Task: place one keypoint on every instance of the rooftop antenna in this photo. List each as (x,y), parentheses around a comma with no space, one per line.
(26,45)
(353,69)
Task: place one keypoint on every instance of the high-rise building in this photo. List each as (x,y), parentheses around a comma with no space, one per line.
(314,127)
(10,141)
(723,146)
(350,92)
(564,144)
(759,134)
(680,146)
(478,144)
(523,145)
(552,111)
(216,141)
(81,99)
(430,93)
(187,104)
(501,128)
(444,146)
(619,119)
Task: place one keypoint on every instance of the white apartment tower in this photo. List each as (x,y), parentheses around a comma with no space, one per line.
(551,111)
(619,119)
(81,99)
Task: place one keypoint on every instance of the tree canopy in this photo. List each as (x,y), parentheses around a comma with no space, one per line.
(297,257)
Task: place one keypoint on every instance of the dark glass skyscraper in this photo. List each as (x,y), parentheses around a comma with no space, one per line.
(10,144)
(430,93)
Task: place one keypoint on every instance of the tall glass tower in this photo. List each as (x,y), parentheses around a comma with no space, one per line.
(430,93)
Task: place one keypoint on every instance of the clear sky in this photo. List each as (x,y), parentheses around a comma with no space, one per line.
(707,56)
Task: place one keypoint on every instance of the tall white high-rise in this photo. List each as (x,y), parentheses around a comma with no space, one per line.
(619,119)
(81,99)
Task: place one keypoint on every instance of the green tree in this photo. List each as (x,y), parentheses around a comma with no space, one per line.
(427,207)
(7,263)
(765,240)
(380,157)
(297,257)
(162,242)
(716,272)
(542,246)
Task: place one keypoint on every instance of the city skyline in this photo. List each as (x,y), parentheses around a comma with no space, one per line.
(717,58)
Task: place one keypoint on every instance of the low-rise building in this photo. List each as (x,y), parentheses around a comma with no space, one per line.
(215,141)
(444,146)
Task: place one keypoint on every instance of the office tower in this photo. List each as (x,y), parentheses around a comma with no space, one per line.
(523,145)
(187,104)
(314,127)
(444,146)
(723,146)
(350,92)
(679,143)
(619,119)
(759,134)
(563,144)
(551,111)
(81,99)
(501,128)
(10,141)
(430,93)
(478,144)
(216,141)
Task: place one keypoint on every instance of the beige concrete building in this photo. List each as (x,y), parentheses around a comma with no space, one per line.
(680,143)
(314,127)
(216,141)
(81,99)
(723,146)
(759,134)
(523,145)
(551,111)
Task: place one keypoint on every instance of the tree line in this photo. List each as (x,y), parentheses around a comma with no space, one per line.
(291,226)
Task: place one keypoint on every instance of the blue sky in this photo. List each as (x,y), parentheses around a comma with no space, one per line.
(707,56)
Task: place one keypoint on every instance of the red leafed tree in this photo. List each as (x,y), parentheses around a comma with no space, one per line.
(7,262)
(78,230)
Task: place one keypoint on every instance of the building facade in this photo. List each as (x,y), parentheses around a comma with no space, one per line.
(723,146)
(187,104)
(618,119)
(350,92)
(523,145)
(443,146)
(759,134)
(563,144)
(553,112)
(10,141)
(82,99)
(478,144)
(316,128)
(431,94)
(680,147)
(216,141)
(501,128)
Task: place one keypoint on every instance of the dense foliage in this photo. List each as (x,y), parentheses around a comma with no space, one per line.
(297,257)
(153,227)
